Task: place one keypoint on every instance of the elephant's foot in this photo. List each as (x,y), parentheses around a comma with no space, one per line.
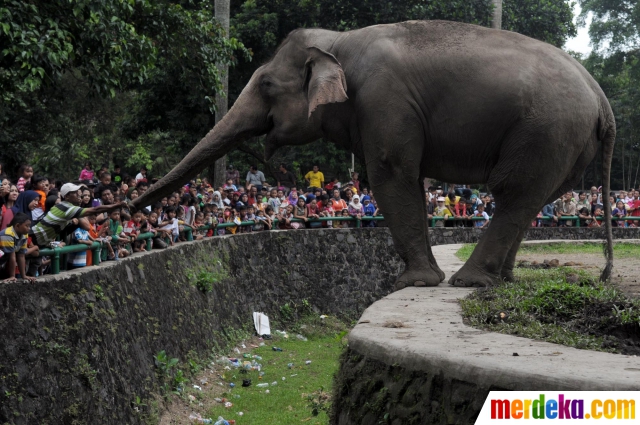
(507,275)
(469,276)
(438,271)
(418,277)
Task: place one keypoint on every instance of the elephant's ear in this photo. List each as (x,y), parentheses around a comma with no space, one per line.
(325,81)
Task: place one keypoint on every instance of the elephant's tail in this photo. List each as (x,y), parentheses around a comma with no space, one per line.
(607,135)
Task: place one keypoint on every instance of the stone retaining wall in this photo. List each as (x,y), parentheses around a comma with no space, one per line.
(79,347)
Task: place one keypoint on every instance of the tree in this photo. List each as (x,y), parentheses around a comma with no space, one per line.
(614,22)
(615,64)
(159,57)
(222,102)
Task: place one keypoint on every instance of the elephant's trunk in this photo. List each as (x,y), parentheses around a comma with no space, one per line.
(247,118)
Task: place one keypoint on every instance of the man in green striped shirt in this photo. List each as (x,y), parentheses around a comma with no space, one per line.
(63,213)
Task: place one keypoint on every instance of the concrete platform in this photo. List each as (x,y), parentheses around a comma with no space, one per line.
(417,335)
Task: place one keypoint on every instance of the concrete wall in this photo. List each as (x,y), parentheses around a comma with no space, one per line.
(79,347)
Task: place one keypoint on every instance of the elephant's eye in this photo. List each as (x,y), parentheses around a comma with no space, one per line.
(266,83)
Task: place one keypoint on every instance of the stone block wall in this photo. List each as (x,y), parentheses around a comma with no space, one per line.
(79,347)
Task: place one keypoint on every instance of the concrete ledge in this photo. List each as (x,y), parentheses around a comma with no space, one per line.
(412,360)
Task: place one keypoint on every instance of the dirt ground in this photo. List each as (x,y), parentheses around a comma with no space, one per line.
(177,410)
(626,271)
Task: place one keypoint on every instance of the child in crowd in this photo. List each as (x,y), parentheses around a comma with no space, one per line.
(171,225)
(619,211)
(585,218)
(328,211)
(198,223)
(132,230)
(285,217)
(344,224)
(25,172)
(159,235)
(313,213)
(262,221)
(79,259)
(369,210)
(441,211)
(274,201)
(480,212)
(299,212)
(116,229)
(40,185)
(100,234)
(243,216)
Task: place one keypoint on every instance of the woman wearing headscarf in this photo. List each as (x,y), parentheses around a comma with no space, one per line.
(27,201)
(355,207)
(293,197)
(217,200)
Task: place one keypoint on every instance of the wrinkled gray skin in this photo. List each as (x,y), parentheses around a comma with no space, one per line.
(451,101)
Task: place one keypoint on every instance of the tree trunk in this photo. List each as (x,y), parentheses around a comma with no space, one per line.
(496,19)
(222,99)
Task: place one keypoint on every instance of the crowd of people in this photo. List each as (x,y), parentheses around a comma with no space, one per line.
(38,212)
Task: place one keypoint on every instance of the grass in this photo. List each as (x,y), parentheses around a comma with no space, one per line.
(291,401)
(620,250)
(544,305)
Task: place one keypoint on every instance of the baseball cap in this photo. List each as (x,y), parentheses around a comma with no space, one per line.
(67,188)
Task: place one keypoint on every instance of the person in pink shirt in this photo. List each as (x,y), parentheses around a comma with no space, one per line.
(633,206)
(87,172)
(25,172)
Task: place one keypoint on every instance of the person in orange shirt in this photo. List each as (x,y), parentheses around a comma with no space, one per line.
(339,204)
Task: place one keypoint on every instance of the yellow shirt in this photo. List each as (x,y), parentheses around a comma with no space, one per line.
(315,179)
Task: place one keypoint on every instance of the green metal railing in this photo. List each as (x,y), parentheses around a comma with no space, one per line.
(573,218)
(57,253)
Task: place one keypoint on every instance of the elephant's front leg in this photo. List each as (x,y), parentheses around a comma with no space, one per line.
(402,202)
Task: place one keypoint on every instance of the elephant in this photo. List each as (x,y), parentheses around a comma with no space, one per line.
(446,100)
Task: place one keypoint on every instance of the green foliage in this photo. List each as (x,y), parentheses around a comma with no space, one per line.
(205,279)
(83,79)
(614,22)
(542,304)
(287,312)
(620,250)
(546,20)
(164,363)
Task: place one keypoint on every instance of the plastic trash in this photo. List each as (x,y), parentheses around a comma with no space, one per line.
(289,365)
(323,316)
(274,383)
(232,385)
(196,418)
(240,413)
(221,421)
(283,378)
(295,374)
(282,334)
(302,338)
(261,374)
(219,400)
(228,404)
(307,362)
(246,382)
(266,392)
(197,387)
(276,349)
(246,356)
(263,385)
(236,396)
(191,398)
